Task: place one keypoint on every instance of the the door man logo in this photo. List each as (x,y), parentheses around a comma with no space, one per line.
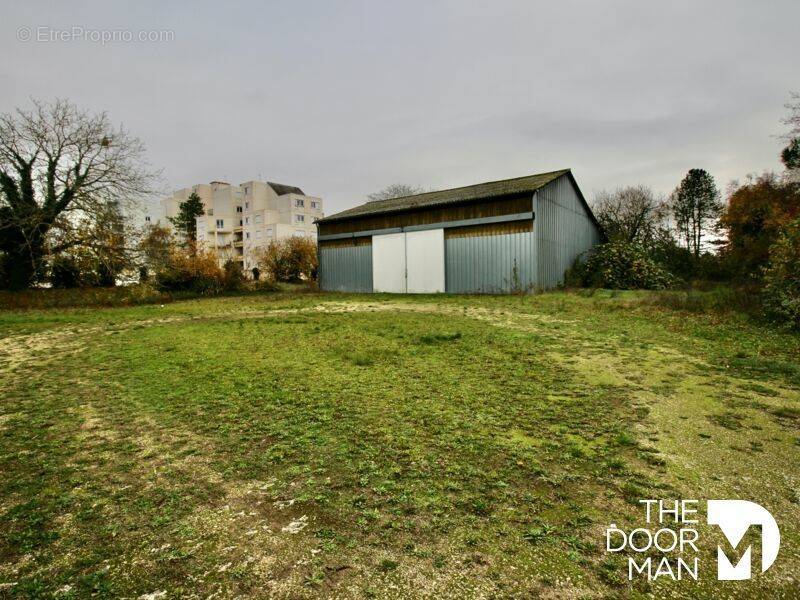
(677,539)
(735,517)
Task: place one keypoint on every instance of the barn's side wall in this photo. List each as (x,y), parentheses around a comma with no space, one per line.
(563,228)
(346,267)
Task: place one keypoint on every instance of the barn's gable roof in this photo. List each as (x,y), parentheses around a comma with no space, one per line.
(281,189)
(480,191)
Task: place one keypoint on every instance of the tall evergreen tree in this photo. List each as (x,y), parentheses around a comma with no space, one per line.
(695,208)
(791,155)
(185,221)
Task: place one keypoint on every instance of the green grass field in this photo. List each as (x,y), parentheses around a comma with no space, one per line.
(375,446)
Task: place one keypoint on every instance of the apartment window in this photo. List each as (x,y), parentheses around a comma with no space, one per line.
(247,220)
(300,218)
(314,204)
(269,231)
(258,219)
(147,219)
(238,209)
(240,222)
(210,212)
(247,235)
(247,206)
(258,233)
(246,190)
(299,203)
(220,223)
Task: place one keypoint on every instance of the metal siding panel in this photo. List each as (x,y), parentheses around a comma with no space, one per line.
(480,282)
(483,251)
(480,249)
(346,269)
(468,267)
(485,264)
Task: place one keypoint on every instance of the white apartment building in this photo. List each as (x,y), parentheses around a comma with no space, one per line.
(239,219)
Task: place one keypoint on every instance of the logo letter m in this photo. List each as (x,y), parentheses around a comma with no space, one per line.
(734,518)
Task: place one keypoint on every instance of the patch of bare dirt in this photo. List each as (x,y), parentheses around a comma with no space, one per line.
(37,348)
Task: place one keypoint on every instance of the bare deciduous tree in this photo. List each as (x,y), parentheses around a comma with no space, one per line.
(396,190)
(793,118)
(631,214)
(59,168)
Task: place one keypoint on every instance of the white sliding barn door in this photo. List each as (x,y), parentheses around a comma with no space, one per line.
(410,262)
(425,261)
(389,263)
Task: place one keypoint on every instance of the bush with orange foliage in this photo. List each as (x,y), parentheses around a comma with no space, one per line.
(191,269)
(290,260)
(754,218)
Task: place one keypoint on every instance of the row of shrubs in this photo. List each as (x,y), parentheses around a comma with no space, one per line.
(193,269)
(171,267)
(67,271)
(620,264)
(168,272)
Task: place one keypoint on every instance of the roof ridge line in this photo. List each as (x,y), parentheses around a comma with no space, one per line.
(461,187)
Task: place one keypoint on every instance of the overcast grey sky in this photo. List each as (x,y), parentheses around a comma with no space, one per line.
(343,98)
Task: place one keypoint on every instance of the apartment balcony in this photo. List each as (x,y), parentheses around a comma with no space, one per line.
(238,243)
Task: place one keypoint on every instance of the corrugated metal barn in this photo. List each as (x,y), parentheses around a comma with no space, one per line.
(516,235)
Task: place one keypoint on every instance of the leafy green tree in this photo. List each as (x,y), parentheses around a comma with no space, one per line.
(695,207)
(185,221)
(782,277)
